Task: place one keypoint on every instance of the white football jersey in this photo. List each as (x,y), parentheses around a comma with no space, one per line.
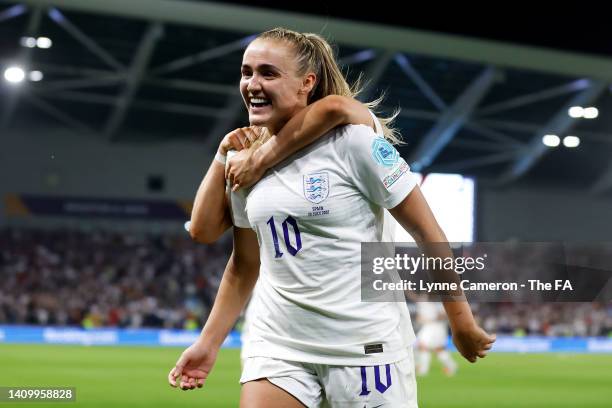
(311,213)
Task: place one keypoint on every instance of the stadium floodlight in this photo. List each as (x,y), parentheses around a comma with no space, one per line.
(44,42)
(590,112)
(14,74)
(551,140)
(571,141)
(36,76)
(576,111)
(28,42)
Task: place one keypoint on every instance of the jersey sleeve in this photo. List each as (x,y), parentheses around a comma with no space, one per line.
(237,203)
(376,167)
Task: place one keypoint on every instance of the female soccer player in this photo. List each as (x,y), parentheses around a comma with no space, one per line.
(313,342)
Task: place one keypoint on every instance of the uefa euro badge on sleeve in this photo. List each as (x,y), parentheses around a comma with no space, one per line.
(384,153)
(316,187)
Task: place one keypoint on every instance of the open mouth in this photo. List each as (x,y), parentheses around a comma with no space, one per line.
(258,103)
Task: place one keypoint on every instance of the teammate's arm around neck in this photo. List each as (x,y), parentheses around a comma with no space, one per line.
(305,127)
(310,124)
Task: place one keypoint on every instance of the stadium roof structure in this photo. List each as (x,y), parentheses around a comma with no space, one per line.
(158,70)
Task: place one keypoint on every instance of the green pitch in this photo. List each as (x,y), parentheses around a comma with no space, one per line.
(136,377)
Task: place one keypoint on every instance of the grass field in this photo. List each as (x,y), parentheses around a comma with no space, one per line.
(136,377)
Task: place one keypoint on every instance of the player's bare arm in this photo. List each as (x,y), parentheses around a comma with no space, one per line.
(241,272)
(414,214)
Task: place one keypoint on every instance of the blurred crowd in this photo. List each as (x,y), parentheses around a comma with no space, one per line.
(550,319)
(102,279)
(95,279)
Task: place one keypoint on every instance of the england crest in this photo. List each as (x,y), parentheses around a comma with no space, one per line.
(316,187)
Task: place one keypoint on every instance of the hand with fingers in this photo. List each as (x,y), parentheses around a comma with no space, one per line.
(193,367)
(243,169)
(473,342)
(239,139)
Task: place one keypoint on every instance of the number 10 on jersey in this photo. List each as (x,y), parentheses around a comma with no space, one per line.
(293,250)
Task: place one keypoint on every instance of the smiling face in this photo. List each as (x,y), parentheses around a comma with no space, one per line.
(271,87)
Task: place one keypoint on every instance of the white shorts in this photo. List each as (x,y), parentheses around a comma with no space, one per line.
(319,385)
(432,336)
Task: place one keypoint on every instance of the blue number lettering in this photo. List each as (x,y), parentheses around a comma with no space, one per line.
(293,250)
(274,238)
